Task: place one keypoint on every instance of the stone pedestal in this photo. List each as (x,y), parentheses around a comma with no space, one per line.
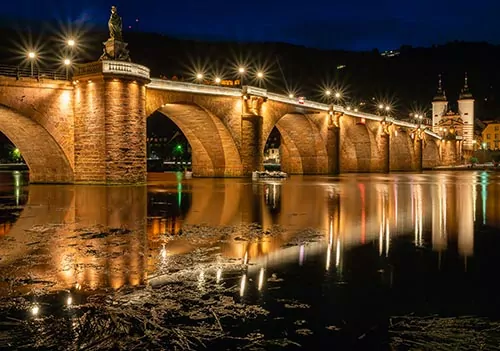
(110,123)
(115,50)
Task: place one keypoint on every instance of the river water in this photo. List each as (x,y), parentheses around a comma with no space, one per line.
(354,261)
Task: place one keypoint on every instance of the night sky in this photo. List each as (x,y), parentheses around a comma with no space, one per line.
(351,25)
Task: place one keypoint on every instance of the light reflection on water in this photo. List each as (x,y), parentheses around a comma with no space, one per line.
(438,210)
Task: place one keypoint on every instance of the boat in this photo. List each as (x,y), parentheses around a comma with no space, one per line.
(256,175)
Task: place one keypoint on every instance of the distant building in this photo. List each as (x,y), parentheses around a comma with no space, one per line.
(272,155)
(491,135)
(390,53)
(454,124)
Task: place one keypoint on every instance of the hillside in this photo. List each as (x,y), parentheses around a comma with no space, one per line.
(408,80)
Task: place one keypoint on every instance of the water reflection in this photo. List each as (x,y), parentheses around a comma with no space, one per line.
(96,237)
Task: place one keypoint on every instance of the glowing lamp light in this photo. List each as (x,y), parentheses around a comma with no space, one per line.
(71,42)
(348,108)
(35,310)
(217,80)
(328,92)
(241,69)
(31,55)
(290,96)
(337,95)
(67,62)
(260,74)
(387,108)
(199,76)
(381,106)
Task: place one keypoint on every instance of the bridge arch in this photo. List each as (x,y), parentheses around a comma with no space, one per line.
(402,152)
(214,152)
(46,160)
(303,147)
(357,145)
(430,153)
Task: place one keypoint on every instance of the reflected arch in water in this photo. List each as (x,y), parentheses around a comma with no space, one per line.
(45,158)
(214,152)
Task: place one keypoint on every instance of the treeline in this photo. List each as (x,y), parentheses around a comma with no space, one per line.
(407,81)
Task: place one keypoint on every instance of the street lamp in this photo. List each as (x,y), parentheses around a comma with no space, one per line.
(217,80)
(71,43)
(260,74)
(32,57)
(337,95)
(241,71)
(199,76)
(67,63)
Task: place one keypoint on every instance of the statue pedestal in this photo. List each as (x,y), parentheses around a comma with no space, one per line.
(115,50)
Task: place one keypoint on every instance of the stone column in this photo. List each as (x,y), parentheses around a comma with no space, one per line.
(333,146)
(251,130)
(419,153)
(251,144)
(110,123)
(386,144)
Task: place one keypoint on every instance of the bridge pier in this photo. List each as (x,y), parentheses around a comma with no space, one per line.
(333,145)
(110,123)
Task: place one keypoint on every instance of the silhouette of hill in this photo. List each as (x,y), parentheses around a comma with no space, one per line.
(407,80)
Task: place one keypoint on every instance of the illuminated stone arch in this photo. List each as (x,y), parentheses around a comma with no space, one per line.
(430,153)
(303,146)
(46,160)
(402,152)
(214,152)
(357,145)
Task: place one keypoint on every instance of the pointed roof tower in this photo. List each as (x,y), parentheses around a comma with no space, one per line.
(440,95)
(465,92)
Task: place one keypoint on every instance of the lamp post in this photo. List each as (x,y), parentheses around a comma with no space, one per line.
(241,71)
(67,64)
(260,77)
(32,57)
(199,77)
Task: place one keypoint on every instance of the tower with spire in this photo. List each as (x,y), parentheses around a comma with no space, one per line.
(439,106)
(454,124)
(466,111)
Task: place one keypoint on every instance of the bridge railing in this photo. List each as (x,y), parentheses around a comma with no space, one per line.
(163,84)
(25,72)
(112,67)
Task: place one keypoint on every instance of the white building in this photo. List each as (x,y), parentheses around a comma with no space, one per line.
(459,123)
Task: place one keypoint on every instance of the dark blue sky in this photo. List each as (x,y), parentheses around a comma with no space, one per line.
(353,25)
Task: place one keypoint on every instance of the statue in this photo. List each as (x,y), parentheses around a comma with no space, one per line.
(115,48)
(115,24)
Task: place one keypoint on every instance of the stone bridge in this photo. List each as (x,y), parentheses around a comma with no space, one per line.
(93,129)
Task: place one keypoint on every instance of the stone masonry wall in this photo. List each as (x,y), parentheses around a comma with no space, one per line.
(46,102)
(90,133)
(125,131)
